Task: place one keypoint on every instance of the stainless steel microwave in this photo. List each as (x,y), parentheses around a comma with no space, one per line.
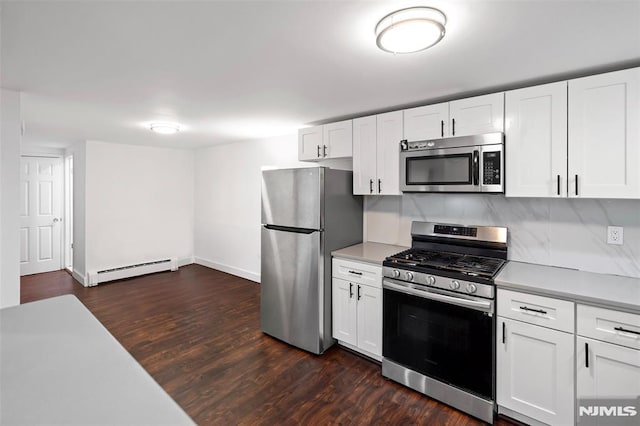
(459,164)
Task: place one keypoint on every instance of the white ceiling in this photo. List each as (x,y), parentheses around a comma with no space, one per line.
(236,70)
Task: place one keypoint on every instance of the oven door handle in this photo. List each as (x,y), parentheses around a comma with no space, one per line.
(485,306)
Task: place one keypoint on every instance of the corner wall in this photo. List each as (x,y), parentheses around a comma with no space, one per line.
(228,206)
(139,203)
(9,198)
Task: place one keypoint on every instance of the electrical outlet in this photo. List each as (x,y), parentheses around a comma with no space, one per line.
(615,235)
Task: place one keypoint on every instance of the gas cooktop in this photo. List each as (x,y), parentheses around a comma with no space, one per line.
(466,264)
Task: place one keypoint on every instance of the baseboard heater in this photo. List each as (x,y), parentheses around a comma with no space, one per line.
(97,277)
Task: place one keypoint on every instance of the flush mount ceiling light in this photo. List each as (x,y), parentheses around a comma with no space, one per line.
(410,30)
(164,128)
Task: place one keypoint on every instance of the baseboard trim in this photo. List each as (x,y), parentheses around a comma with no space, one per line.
(185,261)
(78,277)
(243,273)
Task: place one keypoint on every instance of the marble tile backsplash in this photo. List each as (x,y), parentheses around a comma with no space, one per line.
(570,233)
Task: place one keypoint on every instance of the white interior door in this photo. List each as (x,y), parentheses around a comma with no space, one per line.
(40,214)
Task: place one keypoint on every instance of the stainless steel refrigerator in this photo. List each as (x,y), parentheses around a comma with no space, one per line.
(306,213)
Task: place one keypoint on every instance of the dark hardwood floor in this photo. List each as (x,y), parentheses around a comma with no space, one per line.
(197,332)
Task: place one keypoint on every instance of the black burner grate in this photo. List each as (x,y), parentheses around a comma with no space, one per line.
(455,262)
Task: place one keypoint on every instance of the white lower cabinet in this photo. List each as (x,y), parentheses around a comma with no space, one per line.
(357,308)
(607,356)
(535,372)
(535,358)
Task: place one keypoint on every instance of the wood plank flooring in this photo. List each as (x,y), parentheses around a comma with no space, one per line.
(197,332)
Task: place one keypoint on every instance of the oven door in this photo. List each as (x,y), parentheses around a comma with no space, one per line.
(440,170)
(442,335)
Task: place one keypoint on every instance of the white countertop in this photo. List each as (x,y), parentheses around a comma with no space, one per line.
(608,290)
(59,365)
(368,252)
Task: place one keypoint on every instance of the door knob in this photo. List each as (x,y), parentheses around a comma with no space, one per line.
(56,219)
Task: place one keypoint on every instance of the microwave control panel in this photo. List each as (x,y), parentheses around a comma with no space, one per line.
(491,168)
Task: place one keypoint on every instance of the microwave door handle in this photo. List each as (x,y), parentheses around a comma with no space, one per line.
(476,167)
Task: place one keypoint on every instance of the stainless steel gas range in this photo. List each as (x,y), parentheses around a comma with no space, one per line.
(438,314)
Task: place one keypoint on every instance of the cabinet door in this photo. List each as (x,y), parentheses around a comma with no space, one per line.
(364,156)
(338,139)
(388,153)
(536,141)
(344,311)
(481,114)
(370,319)
(427,122)
(534,374)
(613,371)
(310,143)
(604,141)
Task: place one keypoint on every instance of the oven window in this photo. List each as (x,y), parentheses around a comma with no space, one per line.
(452,169)
(452,344)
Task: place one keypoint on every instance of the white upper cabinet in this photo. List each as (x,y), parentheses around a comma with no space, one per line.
(338,139)
(604,139)
(310,143)
(324,142)
(471,116)
(477,115)
(536,141)
(364,155)
(426,122)
(376,154)
(388,152)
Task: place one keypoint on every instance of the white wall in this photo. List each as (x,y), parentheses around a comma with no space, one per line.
(139,204)
(228,186)
(9,198)
(567,233)
(79,152)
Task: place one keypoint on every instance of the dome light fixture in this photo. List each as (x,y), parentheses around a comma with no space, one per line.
(164,128)
(410,30)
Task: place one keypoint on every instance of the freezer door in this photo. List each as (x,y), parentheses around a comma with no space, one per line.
(291,278)
(293,197)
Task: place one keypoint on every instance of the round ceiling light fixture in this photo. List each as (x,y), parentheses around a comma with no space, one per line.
(164,128)
(410,30)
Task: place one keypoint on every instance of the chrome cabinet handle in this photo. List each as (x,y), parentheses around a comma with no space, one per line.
(504,331)
(355,273)
(576,184)
(442,128)
(558,184)
(359,295)
(350,290)
(453,127)
(318,151)
(324,150)
(370,186)
(379,186)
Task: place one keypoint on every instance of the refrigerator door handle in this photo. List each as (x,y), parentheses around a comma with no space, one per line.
(290,229)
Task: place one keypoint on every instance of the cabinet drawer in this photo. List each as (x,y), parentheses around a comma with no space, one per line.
(357,272)
(538,310)
(621,328)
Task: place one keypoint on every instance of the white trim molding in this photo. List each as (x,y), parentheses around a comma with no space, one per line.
(242,273)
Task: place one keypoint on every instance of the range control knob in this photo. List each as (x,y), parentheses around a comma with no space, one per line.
(454,285)
(471,288)
(396,273)
(431,280)
(409,276)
